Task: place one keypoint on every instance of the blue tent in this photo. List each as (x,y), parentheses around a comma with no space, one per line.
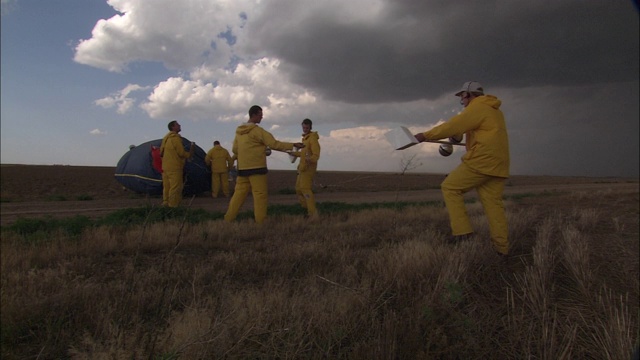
(135,170)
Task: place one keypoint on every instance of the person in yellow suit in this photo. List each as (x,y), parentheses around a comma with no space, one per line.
(174,157)
(221,163)
(250,147)
(307,168)
(484,167)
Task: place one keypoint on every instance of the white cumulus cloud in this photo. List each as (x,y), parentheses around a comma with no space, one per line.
(121,99)
(180,34)
(97,132)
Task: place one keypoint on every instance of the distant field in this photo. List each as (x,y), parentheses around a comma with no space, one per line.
(58,190)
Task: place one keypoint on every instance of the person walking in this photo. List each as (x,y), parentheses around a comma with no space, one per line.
(484,166)
(221,163)
(307,168)
(174,157)
(250,147)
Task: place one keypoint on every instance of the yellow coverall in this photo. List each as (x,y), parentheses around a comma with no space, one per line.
(484,167)
(173,160)
(221,162)
(249,147)
(307,168)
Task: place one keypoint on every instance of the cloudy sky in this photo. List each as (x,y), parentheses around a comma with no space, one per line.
(84,79)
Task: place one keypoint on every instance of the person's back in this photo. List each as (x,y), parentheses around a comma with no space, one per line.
(487,141)
(220,162)
(219,159)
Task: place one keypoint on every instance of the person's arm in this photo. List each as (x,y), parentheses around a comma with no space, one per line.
(274,144)
(455,126)
(229,161)
(295,152)
(176,143)
(234,148)
(315,150)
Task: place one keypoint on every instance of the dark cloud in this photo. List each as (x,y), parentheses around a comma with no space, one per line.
(419,49)
(582,130)
(567,71)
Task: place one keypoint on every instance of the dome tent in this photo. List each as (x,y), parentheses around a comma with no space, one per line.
(135,170)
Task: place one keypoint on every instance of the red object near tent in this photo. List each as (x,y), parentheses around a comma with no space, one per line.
(156,158)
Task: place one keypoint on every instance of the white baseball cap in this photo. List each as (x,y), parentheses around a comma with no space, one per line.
(471,86)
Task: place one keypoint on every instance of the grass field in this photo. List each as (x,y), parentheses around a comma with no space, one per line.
(372,281)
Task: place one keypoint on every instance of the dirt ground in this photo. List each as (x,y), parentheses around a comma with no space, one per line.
(61,191)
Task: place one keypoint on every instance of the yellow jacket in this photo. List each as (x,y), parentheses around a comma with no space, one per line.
(487,141)
(173,153)
(310,155)
(250,145)
(218,159)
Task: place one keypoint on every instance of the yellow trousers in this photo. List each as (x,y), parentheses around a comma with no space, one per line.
(304,184)
(219,180)
(258,186)
(489,189)
(172,185)
(165,189)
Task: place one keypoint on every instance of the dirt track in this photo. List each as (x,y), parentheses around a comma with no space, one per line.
(37,191)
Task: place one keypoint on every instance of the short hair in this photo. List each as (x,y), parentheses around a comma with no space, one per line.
(216,142)
(255,109)
(307,122)
(172,123)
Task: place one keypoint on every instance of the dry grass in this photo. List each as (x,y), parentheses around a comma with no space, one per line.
(378,284)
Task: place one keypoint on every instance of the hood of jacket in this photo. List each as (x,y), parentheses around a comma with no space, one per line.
(245,128)
(311,135)
(488,100)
